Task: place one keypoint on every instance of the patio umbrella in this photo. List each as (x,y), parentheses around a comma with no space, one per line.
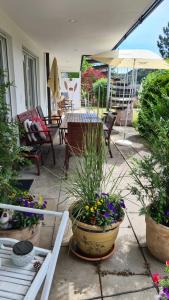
(53,81)
(137,59)
(131,59)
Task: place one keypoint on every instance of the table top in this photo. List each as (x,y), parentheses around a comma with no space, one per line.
(80,118)
(15,281)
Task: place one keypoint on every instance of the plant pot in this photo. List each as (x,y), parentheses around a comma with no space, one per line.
(92,240)
(157,238)
(32,234)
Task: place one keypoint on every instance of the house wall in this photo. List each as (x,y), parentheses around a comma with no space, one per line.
(17,39)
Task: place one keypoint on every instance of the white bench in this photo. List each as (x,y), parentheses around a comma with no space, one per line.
(23,283)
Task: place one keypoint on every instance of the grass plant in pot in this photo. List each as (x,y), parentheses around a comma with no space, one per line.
(97,213)
(151,177)
(18,225)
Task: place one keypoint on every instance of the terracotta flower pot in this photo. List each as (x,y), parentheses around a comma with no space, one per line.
(92,240)
(157,238)
(32,234)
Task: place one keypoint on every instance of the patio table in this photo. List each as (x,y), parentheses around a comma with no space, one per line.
(79,118)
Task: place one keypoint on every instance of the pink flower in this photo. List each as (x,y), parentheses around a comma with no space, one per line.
(167,262)
(156,278)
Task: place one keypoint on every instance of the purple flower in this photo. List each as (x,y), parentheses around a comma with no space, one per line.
(166,292)
(26,203)
(167,213)
(97,195)
(45,202)
(28,214)
(41,217)
(107,215)
(31,204)
(44,205)
(122,203)
(110,206)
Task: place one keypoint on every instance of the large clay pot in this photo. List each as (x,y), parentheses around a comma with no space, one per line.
(157,238)
(32,234)
(91,240)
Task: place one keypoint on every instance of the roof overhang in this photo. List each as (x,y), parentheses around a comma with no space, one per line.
(70,28)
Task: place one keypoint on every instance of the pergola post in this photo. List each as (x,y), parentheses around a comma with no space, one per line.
(108,87)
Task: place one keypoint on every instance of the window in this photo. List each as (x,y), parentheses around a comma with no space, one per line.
(30,64)
(4,67)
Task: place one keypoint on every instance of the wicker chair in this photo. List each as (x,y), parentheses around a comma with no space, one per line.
(76,136)
(110,120)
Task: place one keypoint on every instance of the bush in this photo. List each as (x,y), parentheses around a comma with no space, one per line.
(154,99)
(102,83)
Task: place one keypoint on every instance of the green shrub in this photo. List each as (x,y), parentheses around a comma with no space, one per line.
(102,83)
(154,99)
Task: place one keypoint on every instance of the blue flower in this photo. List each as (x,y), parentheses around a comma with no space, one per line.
(26,203)
(167,213)
(28,214)
(122,203)
(107,215)
(166,292)
(110,206)
(31,204)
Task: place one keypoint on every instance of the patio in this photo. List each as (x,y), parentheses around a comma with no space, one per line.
(126,274)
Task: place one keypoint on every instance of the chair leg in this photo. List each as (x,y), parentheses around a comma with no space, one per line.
(53,153)
(111,155)
(38,166)
(66,162)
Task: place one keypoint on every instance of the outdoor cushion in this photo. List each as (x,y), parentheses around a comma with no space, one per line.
(42,124)
(27,123)
(36,126)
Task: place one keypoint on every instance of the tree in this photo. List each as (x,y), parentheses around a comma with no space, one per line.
(89,77)
(163,42)
(85,65)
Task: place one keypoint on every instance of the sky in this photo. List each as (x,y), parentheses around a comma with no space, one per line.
(145,36)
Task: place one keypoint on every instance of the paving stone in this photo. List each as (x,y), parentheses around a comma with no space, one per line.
(155,265)
(139,226)
(112,284)
(74,279)
(46,235)
(67,235)
(126,256)
(51,205)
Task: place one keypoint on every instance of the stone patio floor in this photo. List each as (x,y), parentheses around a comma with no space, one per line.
(126,274)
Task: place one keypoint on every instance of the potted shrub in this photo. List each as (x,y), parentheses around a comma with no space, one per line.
(151,186)
(97,214)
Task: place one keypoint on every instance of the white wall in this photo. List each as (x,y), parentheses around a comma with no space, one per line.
(17,40)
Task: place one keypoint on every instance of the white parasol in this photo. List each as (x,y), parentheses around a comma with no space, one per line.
(131,59)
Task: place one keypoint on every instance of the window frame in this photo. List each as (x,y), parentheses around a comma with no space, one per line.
(33,75)
(5,68)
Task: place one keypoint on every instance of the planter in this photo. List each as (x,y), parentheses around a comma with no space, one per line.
(92,240)
(157,238)
(32,234)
